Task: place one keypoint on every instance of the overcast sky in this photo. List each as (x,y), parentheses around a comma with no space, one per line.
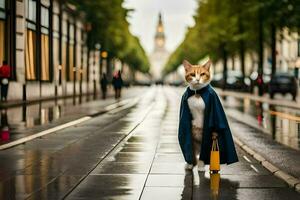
(177,16)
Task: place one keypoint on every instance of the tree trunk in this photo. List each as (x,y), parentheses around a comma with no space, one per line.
(242,48)
(260,50)
(296,71)
(273,48)
(225,57)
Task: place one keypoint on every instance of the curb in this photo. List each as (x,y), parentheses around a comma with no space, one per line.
(292,181)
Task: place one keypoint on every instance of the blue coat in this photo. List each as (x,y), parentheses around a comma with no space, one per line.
(214,121)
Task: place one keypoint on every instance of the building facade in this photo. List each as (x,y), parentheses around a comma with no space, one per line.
(160,55)
(44,42)
(287,55)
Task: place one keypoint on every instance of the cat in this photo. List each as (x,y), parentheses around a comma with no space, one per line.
(198,77)
(202,120)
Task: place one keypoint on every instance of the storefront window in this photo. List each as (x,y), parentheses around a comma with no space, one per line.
(45,69)
(64,57)
(2,30)
(71,61)
(30,55)
(71,53)
(45,76)
(30,51)
(56,50)
(2,44)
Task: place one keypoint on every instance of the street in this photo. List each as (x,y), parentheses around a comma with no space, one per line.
(130,151)
(111,99)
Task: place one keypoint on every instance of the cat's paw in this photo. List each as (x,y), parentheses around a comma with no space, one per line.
(201,169)
(188,166)
(201,166)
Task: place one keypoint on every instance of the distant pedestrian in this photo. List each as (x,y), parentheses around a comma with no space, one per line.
(117,83)
(103,84)
(4,131)
(4,78)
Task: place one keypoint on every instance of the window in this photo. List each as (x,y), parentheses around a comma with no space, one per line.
(30,55)
(2,30)
(64,58)
(45,69)
(71,62)
(31,10)
(30,51)
(2,44)
(71,53)
(56,49)
(2,4)
(45,17)
(45,76)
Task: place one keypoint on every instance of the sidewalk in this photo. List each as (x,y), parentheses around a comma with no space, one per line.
(71,113)
(15,103)
(283,158)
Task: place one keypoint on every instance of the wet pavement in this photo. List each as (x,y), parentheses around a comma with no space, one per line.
(131,153)
(21,121)
(281,123)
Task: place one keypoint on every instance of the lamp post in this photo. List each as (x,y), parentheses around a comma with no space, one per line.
(74,84)
(104,55)
(297,63)
(94,82)
(96,62)
(80,87)
(297,66)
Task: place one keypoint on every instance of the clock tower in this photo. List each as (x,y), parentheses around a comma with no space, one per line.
(160,54)
(160,39)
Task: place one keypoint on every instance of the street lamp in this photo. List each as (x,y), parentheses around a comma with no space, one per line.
(104,56)
(80,87)
(74,83)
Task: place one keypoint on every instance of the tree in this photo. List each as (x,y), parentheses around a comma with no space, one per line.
(110,28)
(234,27)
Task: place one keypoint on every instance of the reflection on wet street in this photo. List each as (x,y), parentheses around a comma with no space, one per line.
(20,121)
(281,123)
(127,155)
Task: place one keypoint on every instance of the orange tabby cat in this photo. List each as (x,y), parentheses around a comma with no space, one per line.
(198,76)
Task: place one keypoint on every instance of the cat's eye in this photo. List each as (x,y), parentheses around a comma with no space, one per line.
(202,74)
(192,74)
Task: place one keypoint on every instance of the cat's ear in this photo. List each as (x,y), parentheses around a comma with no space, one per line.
(187,65)
(207,65)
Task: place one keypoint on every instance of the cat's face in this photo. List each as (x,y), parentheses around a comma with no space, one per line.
(197,76)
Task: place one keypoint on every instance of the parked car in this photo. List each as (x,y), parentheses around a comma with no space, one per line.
(283,83)
(234,81)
